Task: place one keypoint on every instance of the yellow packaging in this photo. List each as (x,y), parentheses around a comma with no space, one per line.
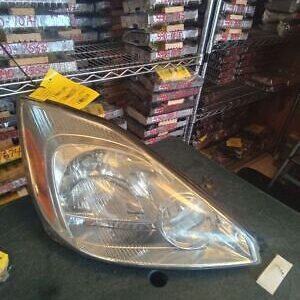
(4,260)
(173,73)
(234,142)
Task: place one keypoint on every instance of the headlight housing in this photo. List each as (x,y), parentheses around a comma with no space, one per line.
(105,194)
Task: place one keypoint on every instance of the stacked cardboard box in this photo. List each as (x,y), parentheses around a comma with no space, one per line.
(31,35)
(88,19)
(114,10)
(83,26)
(241,62)
(109,105)
(101,108)
(282,17)
(161,29)
(158,108)
(235,20)
(93,20)
(12,174)
(30,38)
(116,92)
(222,65)
(250,141)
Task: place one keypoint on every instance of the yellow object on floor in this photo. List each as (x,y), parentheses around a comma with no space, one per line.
(4,260)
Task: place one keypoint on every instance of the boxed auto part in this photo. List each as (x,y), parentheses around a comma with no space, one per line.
(138,89)
(148,108)
(148,38)
(146,20)
(147,54)
(146,120)
(105,110)
(146,131)
(133,6)
(162,136)
(154,84)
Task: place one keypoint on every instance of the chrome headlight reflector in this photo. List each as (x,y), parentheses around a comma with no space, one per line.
(103,193)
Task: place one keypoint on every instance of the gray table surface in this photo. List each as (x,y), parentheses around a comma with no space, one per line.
(43,269)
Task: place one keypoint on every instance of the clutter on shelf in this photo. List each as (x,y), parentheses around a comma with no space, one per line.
(161,104)
(249,63)
(31,35)
(95,21)
(235,20)
(161,29)
(12,173)
(237,148)
(282,17)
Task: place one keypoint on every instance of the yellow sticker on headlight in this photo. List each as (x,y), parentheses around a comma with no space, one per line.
(57,88)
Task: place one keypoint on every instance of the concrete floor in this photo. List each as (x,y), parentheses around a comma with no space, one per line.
(263,164)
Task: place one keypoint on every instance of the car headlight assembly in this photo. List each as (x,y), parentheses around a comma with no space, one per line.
(102,192)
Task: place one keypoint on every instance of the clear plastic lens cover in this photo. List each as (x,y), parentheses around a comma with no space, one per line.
(108,197)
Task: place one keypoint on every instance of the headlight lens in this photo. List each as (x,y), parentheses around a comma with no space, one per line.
(104,194)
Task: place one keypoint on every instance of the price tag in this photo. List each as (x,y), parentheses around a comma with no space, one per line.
(234,31)
(24,37)
(57,88)
(235,17)
(175,102)
(174,45)
(173,74)
(163,133)
(176,27)
(10,154)
(167,122)
(173,9)
(241,2)
(22,11)
(29,61)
